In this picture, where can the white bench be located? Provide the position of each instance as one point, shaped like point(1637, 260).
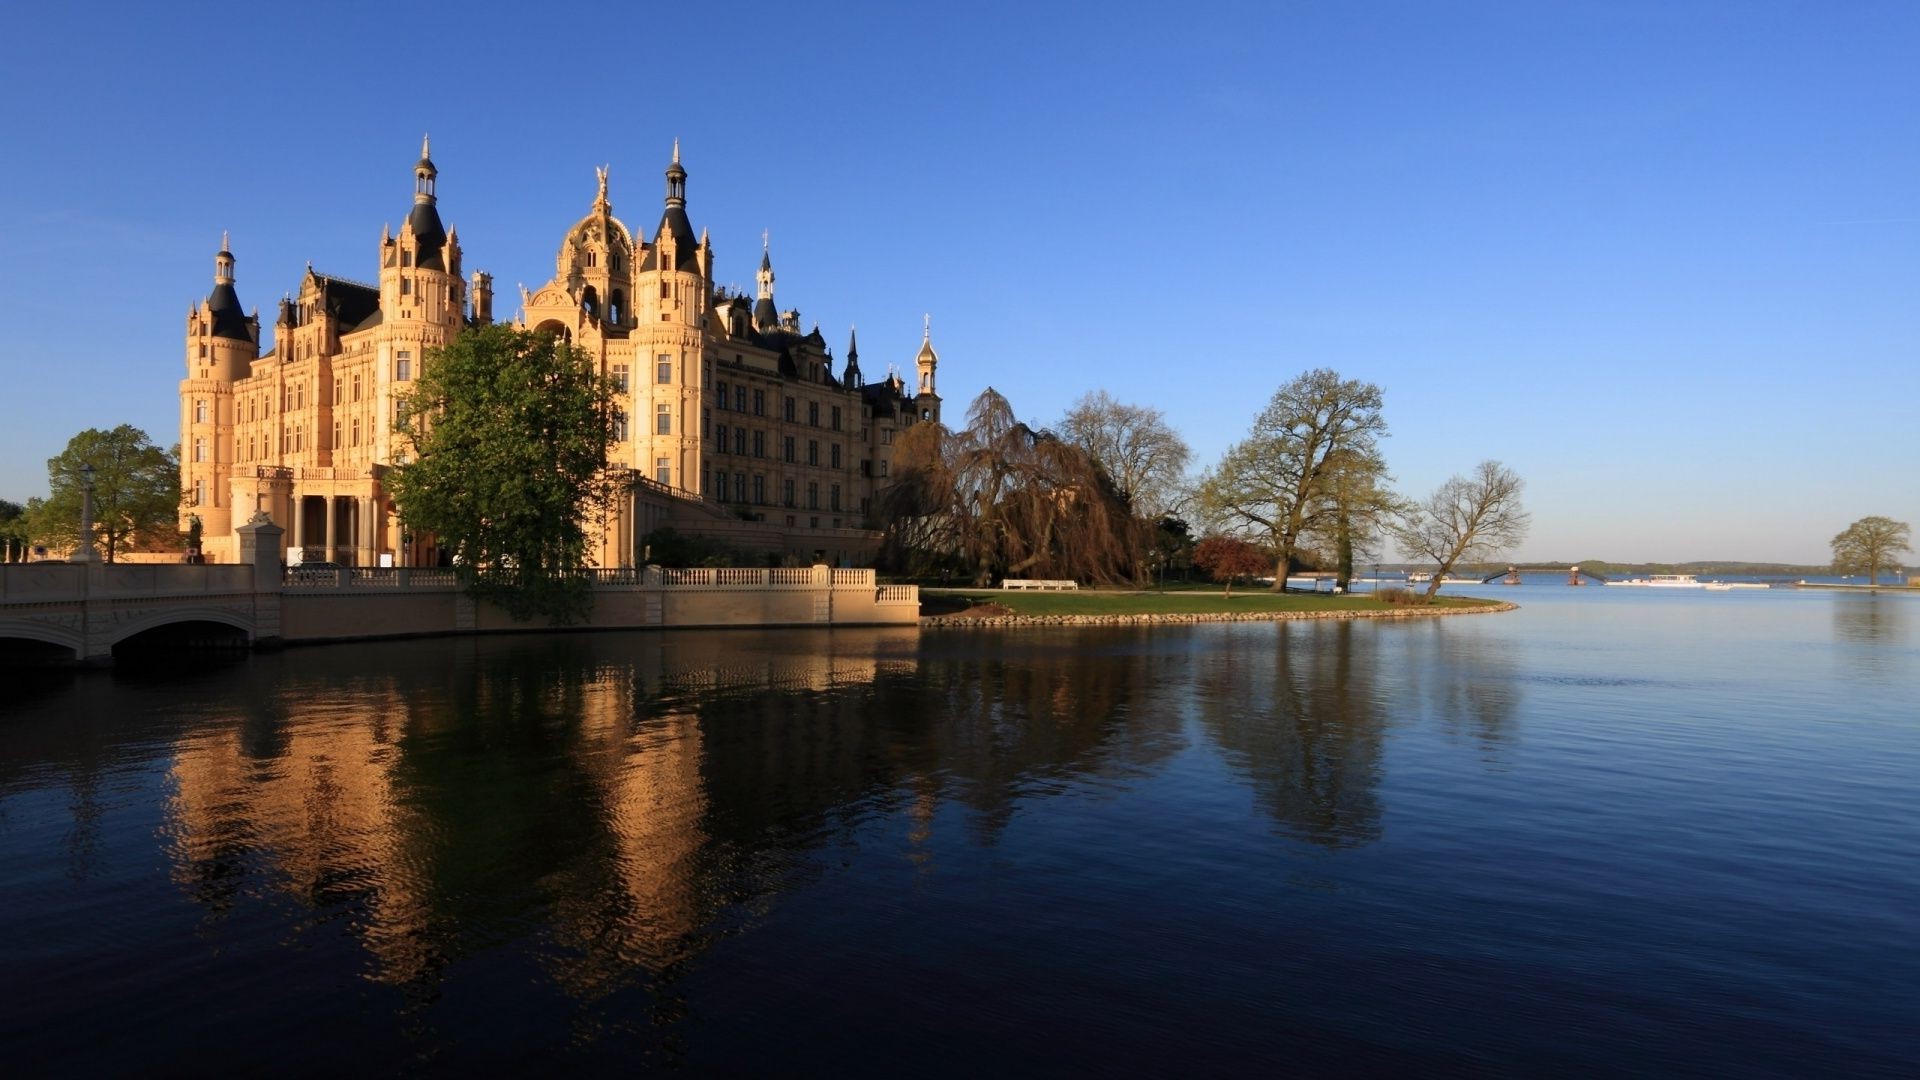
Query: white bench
point(1037, 583)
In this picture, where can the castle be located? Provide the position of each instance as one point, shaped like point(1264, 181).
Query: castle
point(733, 423)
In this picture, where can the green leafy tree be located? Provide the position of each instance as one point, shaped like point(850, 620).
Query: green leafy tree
point(13, 532)
point(1359, 509)
point(1279, 485)
point(136, 493)
point(1869, 545)
point(503, 454)
point(1468, 517)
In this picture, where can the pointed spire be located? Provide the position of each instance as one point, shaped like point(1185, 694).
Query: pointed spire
point(676, 150)
point(850, 375)
point(425, 147)
point(926, 333)
point(224, 245)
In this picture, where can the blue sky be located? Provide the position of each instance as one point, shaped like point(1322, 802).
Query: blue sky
point(1662, 259)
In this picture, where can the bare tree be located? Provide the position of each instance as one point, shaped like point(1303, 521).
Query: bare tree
point(1279, 484)
point(1869, 545)
point(1001, 499)
point(1468, 517)
point(1145, 458)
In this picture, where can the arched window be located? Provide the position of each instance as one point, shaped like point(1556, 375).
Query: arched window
point(593, 258)
point(616, 307)
point(590, 302)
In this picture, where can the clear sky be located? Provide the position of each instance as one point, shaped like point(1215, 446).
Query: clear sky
point(1663, 259)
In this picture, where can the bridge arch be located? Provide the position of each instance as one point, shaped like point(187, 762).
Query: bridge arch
point(197, 614)
point(27, 638)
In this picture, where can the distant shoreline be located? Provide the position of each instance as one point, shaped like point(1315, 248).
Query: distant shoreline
point(960, 620)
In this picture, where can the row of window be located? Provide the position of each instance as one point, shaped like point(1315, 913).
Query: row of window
point(757, 484)
point(736, 401)
point(294, 394)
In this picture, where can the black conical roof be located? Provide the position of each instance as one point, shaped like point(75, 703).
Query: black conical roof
point(429, 234)
point(229, 318)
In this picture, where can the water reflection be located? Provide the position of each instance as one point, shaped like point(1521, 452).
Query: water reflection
point(1468, 681)
point(637, 798)
point(1871, 619)
point(1872, 630)
point(1302, 721)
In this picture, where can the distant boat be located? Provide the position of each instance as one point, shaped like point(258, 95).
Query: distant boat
point(1421, 577)
point(1664, 581)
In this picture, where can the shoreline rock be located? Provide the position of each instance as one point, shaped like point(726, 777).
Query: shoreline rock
point(1188, 618)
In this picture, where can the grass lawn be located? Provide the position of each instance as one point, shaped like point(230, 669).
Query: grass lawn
point(1101, 602)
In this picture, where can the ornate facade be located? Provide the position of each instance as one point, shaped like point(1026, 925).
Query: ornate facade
point(734, 422)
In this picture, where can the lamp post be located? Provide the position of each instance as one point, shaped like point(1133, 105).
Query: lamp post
point(86, 551)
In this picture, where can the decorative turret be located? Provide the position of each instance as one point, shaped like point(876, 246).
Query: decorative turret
point(423, 222)
point(850, 377)
point(927, 399)
point(674, 245)
point(765, 316)
point(227, 318)
point(481, 291)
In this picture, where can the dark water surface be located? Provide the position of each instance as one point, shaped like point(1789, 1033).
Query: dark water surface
point(1617, 831)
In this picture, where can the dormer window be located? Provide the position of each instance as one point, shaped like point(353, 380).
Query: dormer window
point(406, 258)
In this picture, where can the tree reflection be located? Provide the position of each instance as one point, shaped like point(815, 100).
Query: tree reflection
point(1301, 720)
point(1468, 682)
point(1871, 619)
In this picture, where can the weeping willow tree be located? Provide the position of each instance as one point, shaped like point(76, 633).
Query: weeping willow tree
point(1000, 499)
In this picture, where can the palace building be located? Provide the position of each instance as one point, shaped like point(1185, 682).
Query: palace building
point(734, 422)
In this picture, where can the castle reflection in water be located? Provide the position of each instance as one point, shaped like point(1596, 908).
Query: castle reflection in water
point(632, 790)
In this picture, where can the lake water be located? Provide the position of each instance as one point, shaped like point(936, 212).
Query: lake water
point(1616, 831)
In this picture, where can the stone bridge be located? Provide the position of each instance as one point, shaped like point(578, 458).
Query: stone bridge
point(84, 611)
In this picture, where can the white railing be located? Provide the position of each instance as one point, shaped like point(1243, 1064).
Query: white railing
point(898, 594)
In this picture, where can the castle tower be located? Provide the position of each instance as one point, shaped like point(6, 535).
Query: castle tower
point(674, 291)
point(423, 304)
point(222, 343)
point(926, 399)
